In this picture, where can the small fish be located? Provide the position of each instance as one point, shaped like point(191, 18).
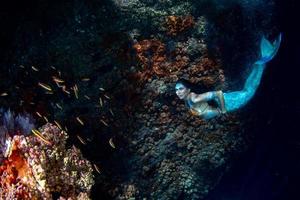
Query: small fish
point(38, 114)
point(46, 119)
point(58, 125)
point(34, 68)
point(35, 131)
point(97, 168)
point(66, 129)
point(31, 103)
point(22, 66)
point(65, 90)
point(100, 101)
point(45, 86)
point(103, 122)
point(58, 85)
point(111, 143)
point(48, 92)
point(53, 67)
point(111, 112)
point(75, 89)
point(3, 94)
point(57, 80)
point(87, 97)
point(80, 121)
point(40, 136)
point(106, 96)
point(85, 79)
point(102, 89)
point(81, 140)
point(57, 105)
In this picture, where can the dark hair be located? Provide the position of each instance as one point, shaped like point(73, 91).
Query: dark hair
point(198, 89)
point(193, 87)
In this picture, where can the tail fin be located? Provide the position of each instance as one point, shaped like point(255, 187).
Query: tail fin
point(268, 50)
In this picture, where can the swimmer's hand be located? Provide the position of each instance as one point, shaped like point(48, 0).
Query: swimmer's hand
point(220, 96)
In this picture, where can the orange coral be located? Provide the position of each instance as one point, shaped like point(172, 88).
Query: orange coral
point(207, 72)
point(15, 172)
point(152, 55)
point(35, 170)
point(204, 66)
point(178, 24)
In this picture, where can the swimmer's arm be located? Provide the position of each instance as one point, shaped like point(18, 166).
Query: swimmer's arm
point(207, 96)
point(220, 96)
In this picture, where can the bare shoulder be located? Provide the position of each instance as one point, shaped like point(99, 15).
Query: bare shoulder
point(194, 97)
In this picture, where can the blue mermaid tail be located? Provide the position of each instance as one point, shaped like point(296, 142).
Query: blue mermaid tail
point(268, 50)
point(237, 99)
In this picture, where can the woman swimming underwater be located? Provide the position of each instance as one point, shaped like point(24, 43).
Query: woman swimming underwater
point(228, 101)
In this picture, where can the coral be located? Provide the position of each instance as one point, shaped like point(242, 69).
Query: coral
point(206, 72)
point(10, 126)
point(175, 154)
point(178, 24)
point(37, 170)
point(180, 154)
point(167, 143)
point(154, 59)
point(150, 53)
point(16, 124)
point(25, 123)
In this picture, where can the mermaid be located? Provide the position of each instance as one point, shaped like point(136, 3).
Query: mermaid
point(228, 101)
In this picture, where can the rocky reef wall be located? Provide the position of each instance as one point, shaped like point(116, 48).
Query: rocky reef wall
point(118, 61)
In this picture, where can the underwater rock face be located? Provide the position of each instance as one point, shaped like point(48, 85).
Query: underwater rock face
point(125, 56)
point(173, 153)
